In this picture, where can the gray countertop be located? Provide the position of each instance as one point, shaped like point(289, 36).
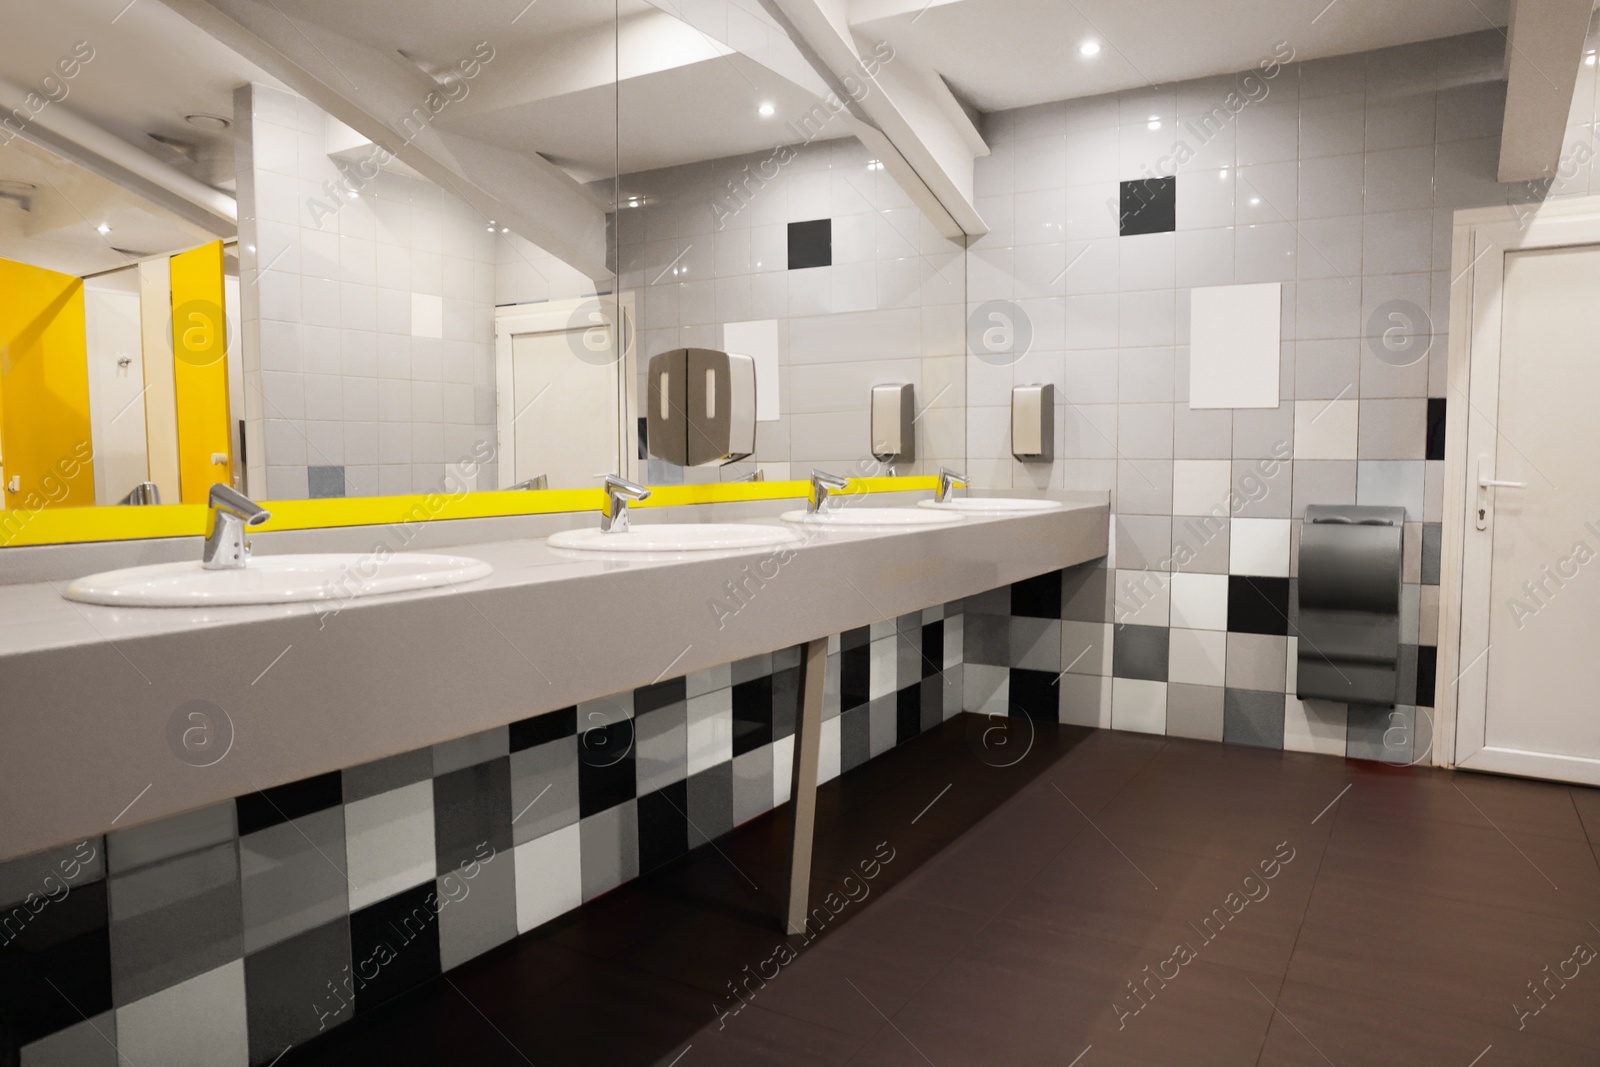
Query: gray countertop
point(95, 697)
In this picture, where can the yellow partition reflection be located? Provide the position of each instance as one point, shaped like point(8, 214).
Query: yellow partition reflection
point(200, 372)
point(46, 448)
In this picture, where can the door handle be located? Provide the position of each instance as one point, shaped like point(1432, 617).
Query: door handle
point(1485, 483)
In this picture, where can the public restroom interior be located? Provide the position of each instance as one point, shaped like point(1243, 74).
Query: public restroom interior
point(817, 532)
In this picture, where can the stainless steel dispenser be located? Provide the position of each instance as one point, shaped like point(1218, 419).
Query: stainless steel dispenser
point(893, 415)
point(702, 406)
point(1349, 621)
point(1033, 422)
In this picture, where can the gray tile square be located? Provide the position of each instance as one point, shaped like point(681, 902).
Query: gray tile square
point(884, 725)
point(171, 837)
point(955, 640)
point(1252, 718)
point(473, 749)
point(910, 623)
point(746, 670)
point(608, 844)
point(1262, 433)
point(288, 998)
point(1257, 661)
point(90, 1043)
point(786, 658)
point(293, 877)
point(477, 907)
point(1144, 487)
point(1262, 488)
point(1395, 483)
point(1085, 699)
point(380, 776)
point(710, 803)
point(908, 656)
point(954, 681)
point(987, 640)
point(1144, 542)
point(1035, 644)
point(1200, 544)
point(1393, 429)
point(855, 737)
point(931, 701)
point(544, 788)
point(1194, 711)
point(1432, 534)
point(1202, 434)
point(173, 920)
point(1139, 652)
point(44, 874)
point(324, 483)
point(991, 602)
point(1086, 594)
point(1323, 481)
point(1380, 732)
point(752, 784)
point(661, 746)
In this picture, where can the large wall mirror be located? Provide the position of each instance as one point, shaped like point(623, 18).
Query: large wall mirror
point(351, 250)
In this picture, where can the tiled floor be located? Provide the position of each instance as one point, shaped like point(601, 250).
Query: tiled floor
point(1108, 899)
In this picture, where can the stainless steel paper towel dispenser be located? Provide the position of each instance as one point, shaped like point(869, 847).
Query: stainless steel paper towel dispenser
point(893, 416)
point(1033, 422)
point(702, 406)
point(1349, 609)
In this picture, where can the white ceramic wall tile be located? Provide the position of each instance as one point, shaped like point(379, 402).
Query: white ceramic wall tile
point(389, 843)
point(1197, 657)
point(549, 880)
point(1314, 726)
point(1199, 601)
point(710, 730)
point(1326, 429)
point(1259, 547)
point(1139, 705)
point(1200, 486)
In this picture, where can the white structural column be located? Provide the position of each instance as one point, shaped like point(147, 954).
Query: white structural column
point(803, 786)
point(1544, 51)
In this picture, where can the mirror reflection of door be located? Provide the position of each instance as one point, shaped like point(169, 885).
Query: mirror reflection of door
point(561, 402)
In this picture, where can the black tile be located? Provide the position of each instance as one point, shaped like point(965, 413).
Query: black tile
point(932, 701)
point(1035, 695)
point(394, 945)
point(649, 698)
point(1149, 205)
point(857, 638)
point(752, 714)
point(663, 825)
point(1258, 605)
point(324, 483)
point(1037, 598)
point(855, 737)
point(269, 807)
point(855, 677)
point(810, 244)
point(907, 713)
point(932, 647)
point(786, 692)
point(1140, 652)
point(472, 807)
point(308, 969)
point(1427, 675)
point(605, 767)
point(66, 942)
point(1435, 443)
point(551, 726)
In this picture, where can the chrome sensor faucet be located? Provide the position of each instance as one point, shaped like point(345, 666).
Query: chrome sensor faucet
point(948, 480)
point(823, 486)
point(619, 491)
point(231, 512)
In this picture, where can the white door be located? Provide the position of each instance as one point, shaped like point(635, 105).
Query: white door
point(565, 412)
point(116, 391)
point(1530, 649)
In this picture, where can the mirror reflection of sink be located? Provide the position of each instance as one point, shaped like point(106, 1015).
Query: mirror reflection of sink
point(992, 505)
point(274, 580)
point(702, 537)
point(852, 516)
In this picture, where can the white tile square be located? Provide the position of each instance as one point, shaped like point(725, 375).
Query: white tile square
point(782, 769)
point(427, 315)
point(389, 843)
point(1200, 601)
point(1314, 725)
point(1325, 429)
point(1200, 485)
point(197, 1023)
point(986, 690)
point(710, 730)
point(1142, 598)
point(1139, 705)
point(829, 752)
point(1259, 547)
point(882, 654)
point(549, 877)
point(1197, 657)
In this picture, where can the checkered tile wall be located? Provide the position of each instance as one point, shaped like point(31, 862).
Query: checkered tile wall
point(222, 936)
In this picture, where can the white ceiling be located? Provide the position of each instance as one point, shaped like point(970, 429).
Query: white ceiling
point(1002, 54)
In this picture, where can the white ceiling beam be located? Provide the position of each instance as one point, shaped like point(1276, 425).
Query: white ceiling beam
point(367, 90)
point(1544, 52)
point(926, 141)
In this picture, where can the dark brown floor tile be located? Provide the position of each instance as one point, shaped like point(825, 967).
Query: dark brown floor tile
point(1587, 801)
point(757, 1036)
point(1315, 1027)
point(1416, 794)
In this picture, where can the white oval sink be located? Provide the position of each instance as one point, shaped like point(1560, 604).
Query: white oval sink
point(851, 516)
point(703, 537)
point(275, 580)
point(992, 505)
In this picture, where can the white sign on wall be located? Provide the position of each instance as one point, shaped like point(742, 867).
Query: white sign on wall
point(1234, 336)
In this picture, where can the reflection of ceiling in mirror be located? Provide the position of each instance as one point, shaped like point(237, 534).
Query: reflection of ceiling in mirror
point(57, 223)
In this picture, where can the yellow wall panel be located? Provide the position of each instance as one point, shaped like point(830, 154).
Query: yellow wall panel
point(45, 440)
point(200, 372)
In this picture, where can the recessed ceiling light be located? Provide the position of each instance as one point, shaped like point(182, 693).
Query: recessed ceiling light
point(874, 164)
point(1089, 48)
point(207, 122)
point(1154, 123)
point(766, 111)
point(102, 229)
point(1254, 200)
